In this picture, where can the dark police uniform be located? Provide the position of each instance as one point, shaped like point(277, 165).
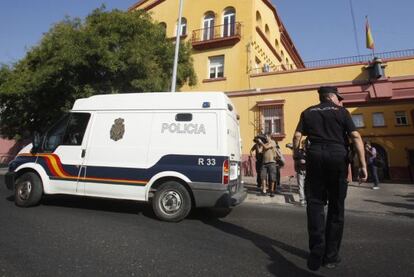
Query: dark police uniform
point(327, 127)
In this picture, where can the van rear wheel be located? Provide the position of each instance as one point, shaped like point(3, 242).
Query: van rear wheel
point(172, 202)
point(28, 190)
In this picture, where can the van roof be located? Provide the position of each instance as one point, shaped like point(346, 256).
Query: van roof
point(153, 101)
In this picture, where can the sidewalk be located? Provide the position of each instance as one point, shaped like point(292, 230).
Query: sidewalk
point(391, 198)
point(288, 196)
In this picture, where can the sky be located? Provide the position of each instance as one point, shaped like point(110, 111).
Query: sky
point(320, 29)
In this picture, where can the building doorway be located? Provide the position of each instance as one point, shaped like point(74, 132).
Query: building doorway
point(383, 173)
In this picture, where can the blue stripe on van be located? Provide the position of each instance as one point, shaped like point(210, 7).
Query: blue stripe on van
point(187, 165)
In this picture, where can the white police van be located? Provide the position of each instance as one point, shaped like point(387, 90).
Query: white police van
point(175, 150)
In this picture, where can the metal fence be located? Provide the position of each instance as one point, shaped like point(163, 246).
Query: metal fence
point(216, 32)
point(336, 61)
point(360, 59)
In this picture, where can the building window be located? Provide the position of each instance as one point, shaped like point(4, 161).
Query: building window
point(257, 65)
point(208, 26)
point(267, 31)
point(358, 120)
point(258, 19)
point(229, 22)
point(183, 29)
point(216, 67)
point(401, 118)
point(272, 120)
point(378, 120)
point(163, 25)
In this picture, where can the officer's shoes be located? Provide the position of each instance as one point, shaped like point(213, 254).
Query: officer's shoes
point(375, 187)
point(314, 262)
point(331, 264)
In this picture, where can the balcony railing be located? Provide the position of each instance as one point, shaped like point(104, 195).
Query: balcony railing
point(216, 36)
point(360, 59)
point(338, 61)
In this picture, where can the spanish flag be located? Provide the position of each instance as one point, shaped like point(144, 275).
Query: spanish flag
point(369, 38)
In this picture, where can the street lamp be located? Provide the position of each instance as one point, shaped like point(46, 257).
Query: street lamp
point(177, 47)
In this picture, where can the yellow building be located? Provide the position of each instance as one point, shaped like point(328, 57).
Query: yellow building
point(382, 109)
point(231, 39)
point(242, 47)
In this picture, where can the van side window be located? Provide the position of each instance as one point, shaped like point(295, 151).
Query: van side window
point(183, 117)
point(76, 129)
point(67, 131)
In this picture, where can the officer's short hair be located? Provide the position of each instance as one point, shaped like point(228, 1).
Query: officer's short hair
point(325, 97)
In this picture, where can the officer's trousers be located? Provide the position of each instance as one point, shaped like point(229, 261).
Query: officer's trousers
point(326, 182)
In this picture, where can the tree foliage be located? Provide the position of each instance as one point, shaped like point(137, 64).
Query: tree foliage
point(108, 52)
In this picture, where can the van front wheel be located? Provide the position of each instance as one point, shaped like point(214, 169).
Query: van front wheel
point(28, 190)
point(171, 202)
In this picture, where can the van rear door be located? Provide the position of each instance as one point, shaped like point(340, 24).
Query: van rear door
point(233, 145)
point(235, 185)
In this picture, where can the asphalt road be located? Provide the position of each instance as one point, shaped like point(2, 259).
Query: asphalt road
point(69, 236)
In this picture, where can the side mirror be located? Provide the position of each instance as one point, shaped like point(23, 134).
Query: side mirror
point(36, 142)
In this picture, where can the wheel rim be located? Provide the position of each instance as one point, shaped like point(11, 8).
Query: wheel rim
point(24, 190)
point(171, 202)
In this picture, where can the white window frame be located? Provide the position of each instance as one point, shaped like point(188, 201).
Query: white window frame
point(229, 28)
point(216, 63)
point(378, 119)
point(183, 28)
point(358, 120)
point(272, 116)
point(401, 116)
point(208, 26)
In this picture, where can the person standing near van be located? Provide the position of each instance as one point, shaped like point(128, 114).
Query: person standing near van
point(257, 149)
point(371, 153)
point(268, 172)
point(328, 127)
point(300, 168)
point(280, 162)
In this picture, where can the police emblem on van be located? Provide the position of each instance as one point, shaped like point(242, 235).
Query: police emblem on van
point(118, 129)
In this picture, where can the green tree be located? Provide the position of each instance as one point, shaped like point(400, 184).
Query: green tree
point(108, 52)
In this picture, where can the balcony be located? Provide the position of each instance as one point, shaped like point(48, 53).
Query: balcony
point(217, 36)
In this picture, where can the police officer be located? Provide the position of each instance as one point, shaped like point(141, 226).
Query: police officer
point(328, 127)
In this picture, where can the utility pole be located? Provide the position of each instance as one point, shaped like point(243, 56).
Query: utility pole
point(177, 48)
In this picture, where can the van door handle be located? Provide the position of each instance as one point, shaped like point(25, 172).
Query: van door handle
point(83, 153)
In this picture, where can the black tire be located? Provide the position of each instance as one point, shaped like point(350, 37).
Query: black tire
point(172, 202)
point(28, 190)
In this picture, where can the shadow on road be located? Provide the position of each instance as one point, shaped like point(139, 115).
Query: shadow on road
point(393, 204)
point(409, 196)
point(280, 266)
point(97, 204)
point(409, 215)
